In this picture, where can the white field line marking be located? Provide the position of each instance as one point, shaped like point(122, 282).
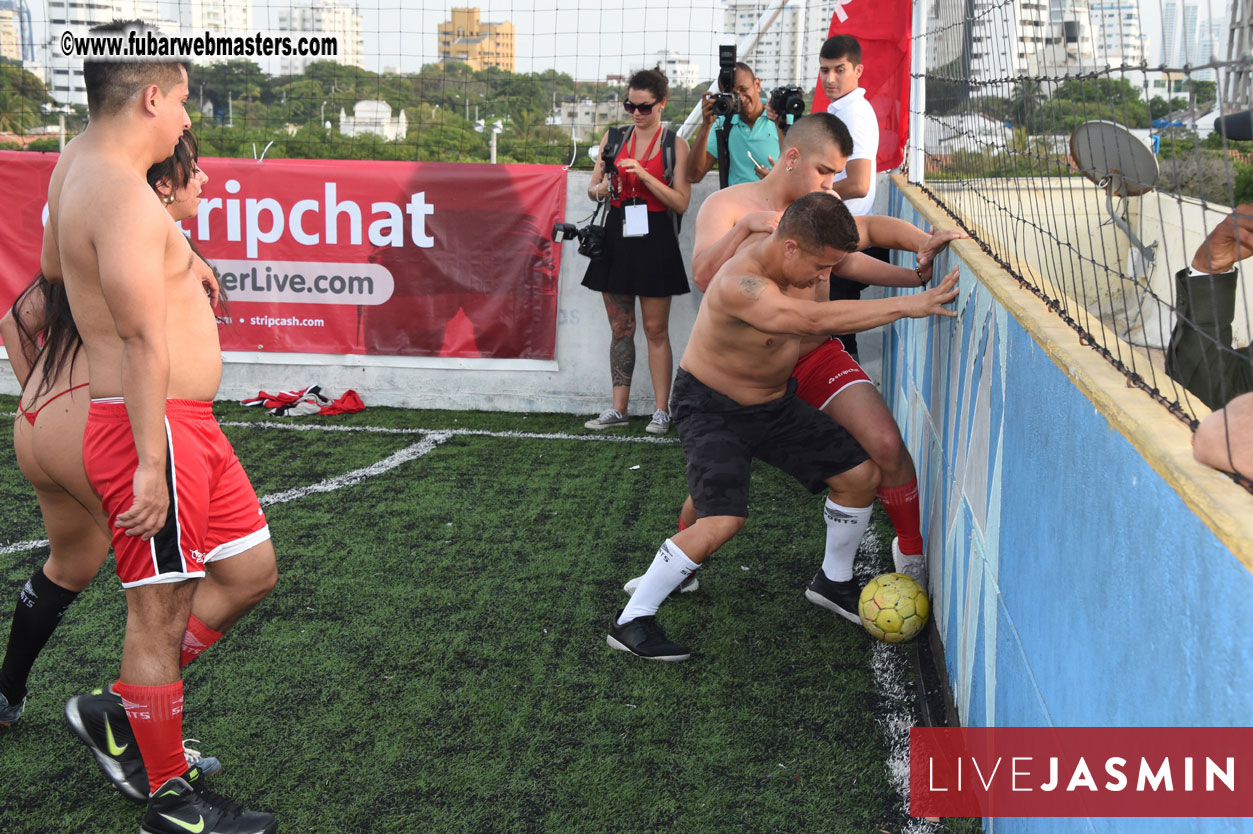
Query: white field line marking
point(890, 669)
point(22, 547)
point(356, 476)
point(348, 479)
point(522, 435)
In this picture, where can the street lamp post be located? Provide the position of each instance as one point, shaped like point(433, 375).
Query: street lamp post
point(496, 127)
point(61, 113)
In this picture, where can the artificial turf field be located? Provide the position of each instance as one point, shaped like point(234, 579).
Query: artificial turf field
point(434, 659)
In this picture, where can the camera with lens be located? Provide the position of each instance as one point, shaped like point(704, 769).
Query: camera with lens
point(725, 101)
point(788, 104)
point(591, 237)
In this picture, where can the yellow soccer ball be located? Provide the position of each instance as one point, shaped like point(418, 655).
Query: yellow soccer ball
point(893, 607)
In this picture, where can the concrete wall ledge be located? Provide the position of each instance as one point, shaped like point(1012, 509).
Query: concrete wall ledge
point(1163, 440)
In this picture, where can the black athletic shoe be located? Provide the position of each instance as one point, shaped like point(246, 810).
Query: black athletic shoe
point(644, 638)
point(840, 597)
point(100, 721)
point(184, 804)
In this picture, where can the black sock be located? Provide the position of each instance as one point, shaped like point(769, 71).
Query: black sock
point(40, 606)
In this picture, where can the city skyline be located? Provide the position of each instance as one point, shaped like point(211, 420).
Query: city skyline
point(610, 37)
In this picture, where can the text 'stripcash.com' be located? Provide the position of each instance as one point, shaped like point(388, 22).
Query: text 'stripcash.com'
point(139, 43)
point(1081, 772)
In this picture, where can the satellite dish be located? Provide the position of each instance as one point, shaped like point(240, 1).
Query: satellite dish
point(1113, 158)
point(1124, 167)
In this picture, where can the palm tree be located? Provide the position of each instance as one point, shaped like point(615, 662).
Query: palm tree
point(1022, 103)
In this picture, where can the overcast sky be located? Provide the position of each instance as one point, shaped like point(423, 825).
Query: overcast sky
point(588, 39)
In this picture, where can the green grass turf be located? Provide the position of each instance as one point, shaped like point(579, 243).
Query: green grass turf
point(433, 658)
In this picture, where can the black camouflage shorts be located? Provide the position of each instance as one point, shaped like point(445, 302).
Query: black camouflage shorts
point(721, 437)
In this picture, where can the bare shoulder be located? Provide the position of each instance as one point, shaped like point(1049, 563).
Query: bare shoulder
point(740, 280)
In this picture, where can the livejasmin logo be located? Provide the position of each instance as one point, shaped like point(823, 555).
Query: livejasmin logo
point(1023, 776)
point(1080, 771)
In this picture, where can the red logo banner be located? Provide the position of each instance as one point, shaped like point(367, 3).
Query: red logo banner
point(883, 29)
point(355, 257)
point(1081, 772)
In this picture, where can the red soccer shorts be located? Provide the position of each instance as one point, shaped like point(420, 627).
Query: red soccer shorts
point(214, 512)
point(826, 371)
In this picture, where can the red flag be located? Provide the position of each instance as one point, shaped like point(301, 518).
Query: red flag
point(883, 30)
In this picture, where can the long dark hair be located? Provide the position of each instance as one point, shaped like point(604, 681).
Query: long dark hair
point(59, 340)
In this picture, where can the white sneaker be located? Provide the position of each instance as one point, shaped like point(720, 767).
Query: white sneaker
point(689, 584)
point(608, 418)
point(915, 567)
point(660, 423)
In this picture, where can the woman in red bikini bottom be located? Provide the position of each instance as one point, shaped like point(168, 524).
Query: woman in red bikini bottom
point(43, 346)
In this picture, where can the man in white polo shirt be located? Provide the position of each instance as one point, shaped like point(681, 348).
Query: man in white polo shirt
point(839, 72)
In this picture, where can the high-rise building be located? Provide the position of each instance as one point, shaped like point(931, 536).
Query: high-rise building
point(1117, 31)
point(322, 19)
point(10, 35)
point(680, 71)
point(64, 75)
point(16, 31)
point(465, 39)
point(219, 18)
point(781, 52)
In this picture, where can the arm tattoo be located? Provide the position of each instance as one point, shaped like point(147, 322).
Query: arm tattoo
point(752, 286)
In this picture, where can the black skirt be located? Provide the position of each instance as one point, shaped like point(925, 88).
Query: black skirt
point(650, 266)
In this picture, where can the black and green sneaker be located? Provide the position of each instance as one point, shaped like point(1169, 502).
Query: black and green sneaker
point(100, 721)
point(183, 804)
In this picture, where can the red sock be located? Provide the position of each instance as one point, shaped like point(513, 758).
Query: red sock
point(901, 502)
point(196, 639)
point(156, 716)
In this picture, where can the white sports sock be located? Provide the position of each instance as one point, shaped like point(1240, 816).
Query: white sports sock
point(668, 569)
point(845, 526)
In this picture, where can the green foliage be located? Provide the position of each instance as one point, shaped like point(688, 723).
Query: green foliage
point(1244, 184)
point(248, 109)
point(22, 97)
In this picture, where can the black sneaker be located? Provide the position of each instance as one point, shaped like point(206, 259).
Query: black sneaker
point(840, 597)
point(644, 638)
point(184, 804)
point(100, 721)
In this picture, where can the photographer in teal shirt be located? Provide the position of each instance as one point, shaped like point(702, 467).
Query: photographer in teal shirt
point(753, 140)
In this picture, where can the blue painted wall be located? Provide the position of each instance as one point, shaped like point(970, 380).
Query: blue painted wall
point(1071, 585)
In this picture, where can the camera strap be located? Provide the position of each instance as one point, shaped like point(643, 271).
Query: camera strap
point(723, 135)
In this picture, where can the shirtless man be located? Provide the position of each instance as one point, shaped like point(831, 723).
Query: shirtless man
point(176, 498)
point(734, 400)
point(826, 373)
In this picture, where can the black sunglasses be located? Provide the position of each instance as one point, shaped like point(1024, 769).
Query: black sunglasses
point(644, 109)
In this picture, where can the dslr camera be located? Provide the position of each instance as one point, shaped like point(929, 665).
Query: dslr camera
point(788, 104)
point(591, 237)
point(726, 102)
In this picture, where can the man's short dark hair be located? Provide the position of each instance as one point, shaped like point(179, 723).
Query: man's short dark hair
point(819, 220)
point(841, 46)
point(817, 130)
point(741, 66)
point(112, 84)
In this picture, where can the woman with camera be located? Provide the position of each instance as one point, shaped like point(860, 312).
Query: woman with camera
point(636, 172)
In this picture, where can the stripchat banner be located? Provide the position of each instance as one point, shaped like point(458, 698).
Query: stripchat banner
point(353, 257)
